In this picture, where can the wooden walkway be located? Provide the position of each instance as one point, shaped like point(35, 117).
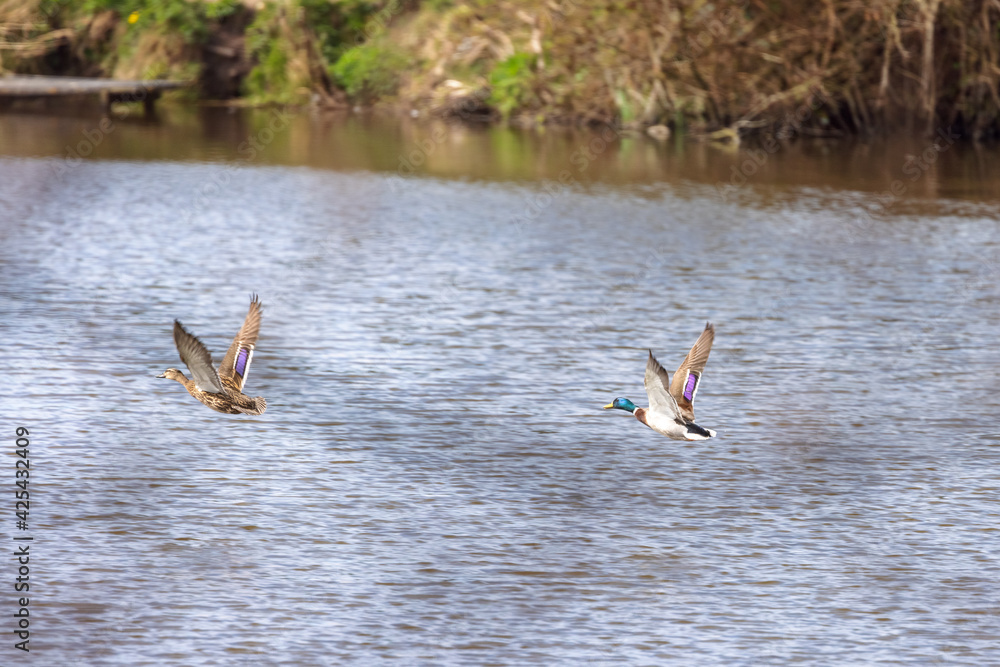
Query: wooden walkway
point(109, 90)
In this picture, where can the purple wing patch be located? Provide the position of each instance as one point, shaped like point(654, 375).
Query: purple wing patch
point(241, 361)
point(691, 385)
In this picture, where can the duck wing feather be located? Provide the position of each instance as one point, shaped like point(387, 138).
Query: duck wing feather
point(688, 375)
point(198, 360)
point(235, 365)
point(657, 382)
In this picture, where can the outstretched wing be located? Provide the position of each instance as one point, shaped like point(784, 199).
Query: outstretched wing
point(656, 382)
point(197, 359)
point(688, 375)
point(236, 364)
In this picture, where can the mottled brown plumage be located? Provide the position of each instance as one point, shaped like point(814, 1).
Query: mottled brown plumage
point(222, 389)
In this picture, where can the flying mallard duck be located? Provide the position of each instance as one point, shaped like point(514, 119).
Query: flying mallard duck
point(671, 409)
point(221, 389)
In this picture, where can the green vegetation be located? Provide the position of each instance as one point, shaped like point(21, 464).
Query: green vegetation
point(298, 47)
point(280, 74)
point(511, 83)
point(369, 72)
point(778, 66)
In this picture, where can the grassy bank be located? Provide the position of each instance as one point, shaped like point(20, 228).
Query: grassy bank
point(733, 66)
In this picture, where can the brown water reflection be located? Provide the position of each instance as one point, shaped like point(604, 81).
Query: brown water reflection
point(905, 167)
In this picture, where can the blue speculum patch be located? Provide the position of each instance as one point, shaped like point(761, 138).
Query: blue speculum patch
point(689, 387)
point(241, 361)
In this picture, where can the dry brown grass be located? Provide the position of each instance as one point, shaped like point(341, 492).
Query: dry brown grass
point(156, 56)
point(31, 42)
point(832, 67)
point(24, 36)
point(848, 66)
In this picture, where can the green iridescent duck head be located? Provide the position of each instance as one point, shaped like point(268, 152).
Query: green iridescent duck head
point(621, 404)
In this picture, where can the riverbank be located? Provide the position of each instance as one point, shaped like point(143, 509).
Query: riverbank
point(721, 70)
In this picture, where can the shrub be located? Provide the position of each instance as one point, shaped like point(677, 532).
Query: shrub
point(511, 83)
point(369, 71)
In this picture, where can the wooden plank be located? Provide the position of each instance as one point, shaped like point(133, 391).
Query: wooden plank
point(43, 86)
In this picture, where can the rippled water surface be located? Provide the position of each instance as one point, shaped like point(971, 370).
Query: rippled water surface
point(434, 481)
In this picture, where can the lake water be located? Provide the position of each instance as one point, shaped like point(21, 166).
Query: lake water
point(446, 310)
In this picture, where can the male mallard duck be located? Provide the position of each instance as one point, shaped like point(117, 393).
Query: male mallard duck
point(671, 409)
point(221, 389)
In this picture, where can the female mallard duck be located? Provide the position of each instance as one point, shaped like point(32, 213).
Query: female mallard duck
point(221, 389)
point(671, 404)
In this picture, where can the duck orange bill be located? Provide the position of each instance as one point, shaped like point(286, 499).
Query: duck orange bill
point(609, 406)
